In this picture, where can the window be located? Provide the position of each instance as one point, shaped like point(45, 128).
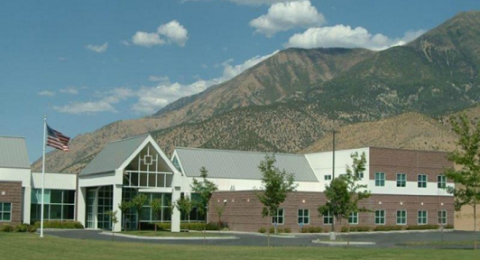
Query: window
point(328, 177)
point(380, 179)
point(422, 181)
point(176, 164)
point(5, 211)
point(279, 217)
point(58, 205)
point(380, 217)
point(303, 216)
point(401, 217)
point(422, 217)
point(442, 182)
point(401, 180)
point(327, 219)
point(360, 175)
point(442, 217)
point(353, 218)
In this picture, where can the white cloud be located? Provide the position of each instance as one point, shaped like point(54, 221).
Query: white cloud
point(70, 90)
point(104, 104)
point(162, 79)
point(46, 93)
point(172, 32)
point(97, 48)
point(245, 2)
point(147, 39)
point(347, 37)
point(151, 99)
point(288, 15)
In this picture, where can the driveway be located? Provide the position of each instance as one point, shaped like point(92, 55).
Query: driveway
point(390, 239)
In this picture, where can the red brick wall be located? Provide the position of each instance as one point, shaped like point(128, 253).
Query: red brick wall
point(410, 162)
point(243, 210)
point(11, 191)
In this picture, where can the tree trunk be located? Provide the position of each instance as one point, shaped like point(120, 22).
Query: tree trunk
point(475, 225)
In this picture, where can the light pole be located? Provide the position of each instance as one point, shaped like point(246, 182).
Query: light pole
point(332, 235)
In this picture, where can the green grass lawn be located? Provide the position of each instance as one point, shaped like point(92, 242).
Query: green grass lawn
point(440, 243)
point(30, 246)
point(150, 233)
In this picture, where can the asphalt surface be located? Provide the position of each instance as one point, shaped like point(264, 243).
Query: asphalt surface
point(382, 240)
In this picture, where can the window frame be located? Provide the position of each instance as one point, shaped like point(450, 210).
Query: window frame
point(419, 217)
point(441, 181)
point(404, 181)
point(327, 177)
point(439, 217)
point(422, 183)
point(3, 212)
point(329, 219)
point(405, 218)
point(277, 216)
point(380, 217)
point(379, 182)
point(303, 216)
point(354, 216)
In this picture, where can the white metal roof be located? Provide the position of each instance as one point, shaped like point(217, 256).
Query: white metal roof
point(240, 164)
point(13, 152)
point(113, 155)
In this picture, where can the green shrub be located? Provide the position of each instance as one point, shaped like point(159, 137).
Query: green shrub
point(164, 226)
point(312, 229)
point(69, 224)
point(271, 230)
point(422, 227)
point(32, 228)
point(6, 228)
point(388, 228)
point(280, 230)
point(262, 230)
point(448, 227)
point(304, 230)
point(21, 228)
point(356, 229)
point(288, 230)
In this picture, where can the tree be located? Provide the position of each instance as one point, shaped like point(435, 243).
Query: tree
point(113, 219)
point(344, 192)
point(467, 156)
point(156, 205)
point(185, 205)
point(124, 207)
point(137, 203)
point(276, 185)
point(204, 189)
point(219, 210)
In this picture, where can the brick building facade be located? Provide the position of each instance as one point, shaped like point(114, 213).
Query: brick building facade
point(11, 194)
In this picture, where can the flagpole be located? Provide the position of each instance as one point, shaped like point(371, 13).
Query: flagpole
point(43, 173)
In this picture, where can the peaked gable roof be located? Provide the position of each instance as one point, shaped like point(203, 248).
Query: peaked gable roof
point(13, 152)
point(240, 164)
point(114, 155)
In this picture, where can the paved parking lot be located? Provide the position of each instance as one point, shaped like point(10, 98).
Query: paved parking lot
point(392, 239)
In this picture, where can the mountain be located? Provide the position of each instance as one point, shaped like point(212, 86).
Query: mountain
point(288, 101)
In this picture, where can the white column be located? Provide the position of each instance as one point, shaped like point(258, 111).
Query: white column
point(95, 209)
point(117, 199)
point(82, 206)
point(176, 212)
point(27, 197)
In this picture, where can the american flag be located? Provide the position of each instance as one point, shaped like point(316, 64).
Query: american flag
point(57, 140)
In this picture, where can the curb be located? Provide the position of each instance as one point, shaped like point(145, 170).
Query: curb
point(343, 243)
point(169, 238)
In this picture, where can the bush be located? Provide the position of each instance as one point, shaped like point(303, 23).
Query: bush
point(388, 228)
point(271, 230)
point(198, 226)
point(356, 229)
point(21, 228)
point(288, 230)
point(6, 228)
point(60, 224)
point(422, 227)
point(32, 228)
point(448, 227)
point(262, 230)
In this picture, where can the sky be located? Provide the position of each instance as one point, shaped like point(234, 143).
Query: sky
point(88, 63)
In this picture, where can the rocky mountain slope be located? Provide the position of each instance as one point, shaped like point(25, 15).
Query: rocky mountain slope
point(286, 102)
